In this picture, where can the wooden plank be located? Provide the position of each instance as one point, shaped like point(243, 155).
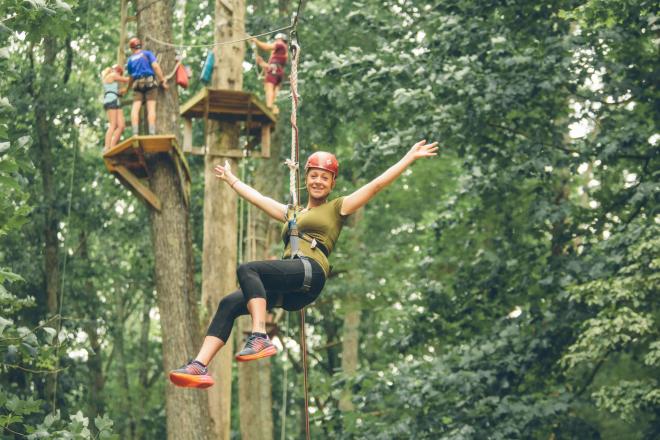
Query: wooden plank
point(182, 157)
point(263, 109)
point(196, 151)
point(192, 102)
point(156, 143)
point(234, 152)
point(206, 118)
point(184, 183)
point(143, 191)
point(265, 141)
point(187, 134)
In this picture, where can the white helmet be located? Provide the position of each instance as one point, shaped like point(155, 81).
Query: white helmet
point(281, 36)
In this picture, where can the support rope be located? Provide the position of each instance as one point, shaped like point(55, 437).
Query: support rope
point(285, 381)
point(294, 185)
point(221, 43)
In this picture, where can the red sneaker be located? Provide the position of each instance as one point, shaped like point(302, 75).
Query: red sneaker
point(192, 375)
point(256, 347)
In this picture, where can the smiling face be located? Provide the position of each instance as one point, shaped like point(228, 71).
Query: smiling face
point(319, 183)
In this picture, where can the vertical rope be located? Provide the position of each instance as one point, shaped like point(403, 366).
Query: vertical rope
point(285, 382)
point(293, 162)
point(303, 347)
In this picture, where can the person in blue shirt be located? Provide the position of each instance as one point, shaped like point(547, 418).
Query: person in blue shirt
point(143, 69)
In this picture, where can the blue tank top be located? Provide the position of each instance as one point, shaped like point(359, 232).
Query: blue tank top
point(139, 64)
point(110, 92)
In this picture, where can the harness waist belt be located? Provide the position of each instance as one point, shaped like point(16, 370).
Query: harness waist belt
point(312, 241)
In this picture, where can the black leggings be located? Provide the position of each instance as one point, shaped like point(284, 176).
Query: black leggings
point(278, 281)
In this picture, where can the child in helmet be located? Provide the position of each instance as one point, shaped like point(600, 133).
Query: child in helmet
point(111, 78)
point(143, 69)
point(274, 68)
point(297, 280)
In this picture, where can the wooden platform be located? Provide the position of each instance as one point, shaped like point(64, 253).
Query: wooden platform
point(128, 162)
point(229, 106)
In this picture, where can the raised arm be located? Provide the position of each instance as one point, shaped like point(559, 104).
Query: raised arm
point(360, 197)
point(262, 45)
point(271, 207)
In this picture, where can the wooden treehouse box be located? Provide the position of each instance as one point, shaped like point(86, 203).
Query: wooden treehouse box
point(228, 106)
point(128, 162)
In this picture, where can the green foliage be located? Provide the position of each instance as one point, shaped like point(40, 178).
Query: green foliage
point(506, 287)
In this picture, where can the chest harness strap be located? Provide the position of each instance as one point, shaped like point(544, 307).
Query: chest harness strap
point(293, 237)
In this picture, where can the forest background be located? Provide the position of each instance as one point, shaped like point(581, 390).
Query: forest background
point(506, 289)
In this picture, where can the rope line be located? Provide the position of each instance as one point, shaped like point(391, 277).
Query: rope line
point(303, 348)
point(222, 43)
point(285, 381)
point(293, 162)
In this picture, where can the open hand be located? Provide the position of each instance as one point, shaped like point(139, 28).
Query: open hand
point(422, 149)
point(224, 172)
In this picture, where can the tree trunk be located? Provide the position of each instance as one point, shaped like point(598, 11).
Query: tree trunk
point(95, 401)
point(220, 204)
point(254, 381)
point(350, 340)
point(349, 358)
point(187, 412)
point(43, 154)
point(44, 144)
point(255, 387)
point(120, 365)
point(143, 370)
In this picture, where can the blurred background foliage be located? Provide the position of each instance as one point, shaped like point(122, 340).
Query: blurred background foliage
point(506, 289)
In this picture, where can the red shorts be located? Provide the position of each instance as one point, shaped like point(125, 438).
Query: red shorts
point(275, 74)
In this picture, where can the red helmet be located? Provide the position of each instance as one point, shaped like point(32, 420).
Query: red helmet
point(323, 160)
point(117, 68)
point(135, 43)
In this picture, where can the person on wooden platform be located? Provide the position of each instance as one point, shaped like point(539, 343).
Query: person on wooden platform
point(145, 77)
point(310, 234)
point(111, 78)
point(274, 68)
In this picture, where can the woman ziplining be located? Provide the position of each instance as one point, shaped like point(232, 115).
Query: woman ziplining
point(290, 283)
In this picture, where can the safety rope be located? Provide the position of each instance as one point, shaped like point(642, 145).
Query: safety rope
point(294, 183)
point(221, 43)
point(292, 162)
point(285, 381)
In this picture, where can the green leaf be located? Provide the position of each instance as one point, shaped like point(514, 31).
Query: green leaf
point(103, 423)
point(3, 324)
point(50, 334)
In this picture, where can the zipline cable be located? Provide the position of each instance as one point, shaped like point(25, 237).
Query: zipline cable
point(222, 43)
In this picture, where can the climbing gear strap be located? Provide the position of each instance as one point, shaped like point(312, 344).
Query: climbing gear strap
point(145, 83)
point(307, 281)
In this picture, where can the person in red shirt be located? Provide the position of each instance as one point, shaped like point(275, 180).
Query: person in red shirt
point(274, 68)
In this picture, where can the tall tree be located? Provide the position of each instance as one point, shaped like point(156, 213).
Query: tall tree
point(187, 413)
point(220, 204)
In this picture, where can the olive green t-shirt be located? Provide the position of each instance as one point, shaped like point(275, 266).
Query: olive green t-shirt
point(323, 223)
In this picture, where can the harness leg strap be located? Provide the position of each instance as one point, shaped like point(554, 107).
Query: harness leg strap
point(307, 281)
